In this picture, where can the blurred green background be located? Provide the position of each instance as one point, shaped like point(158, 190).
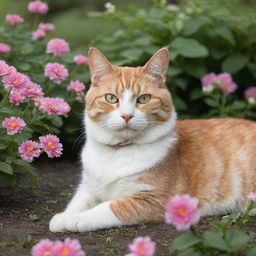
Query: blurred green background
point(71, 19)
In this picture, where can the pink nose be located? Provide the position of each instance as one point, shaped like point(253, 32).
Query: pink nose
point(127, 117)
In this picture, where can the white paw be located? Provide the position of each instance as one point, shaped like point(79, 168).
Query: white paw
point(57, 223)
point(71, 222)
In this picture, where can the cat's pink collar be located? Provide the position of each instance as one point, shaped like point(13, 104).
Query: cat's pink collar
point(122, 144)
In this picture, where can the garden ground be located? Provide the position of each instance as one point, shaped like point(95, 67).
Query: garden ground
point(25, 214)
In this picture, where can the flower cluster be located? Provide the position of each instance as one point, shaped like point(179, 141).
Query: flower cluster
point(42, 30)
point(250, 95)
point(53, 106)
point(182, 212)
point(38, 7)
point(58, 47)
point(56, 72)
point(50, 144)
point(4, 48)
point(142, 246)
point(222, 81)
point(14, 19)
point(20, 85)
point(69, 247)
point(77, 87)
point(81, 60)
point(13, 125)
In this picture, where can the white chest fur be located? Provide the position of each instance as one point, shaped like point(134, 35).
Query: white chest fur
point(109, 173)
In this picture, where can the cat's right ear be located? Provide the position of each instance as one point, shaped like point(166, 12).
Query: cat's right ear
point(99, 65)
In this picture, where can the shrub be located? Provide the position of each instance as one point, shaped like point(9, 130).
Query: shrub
point(41, 82)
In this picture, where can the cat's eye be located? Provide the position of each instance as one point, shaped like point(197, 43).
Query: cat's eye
point(111, 98)
point(144, 98)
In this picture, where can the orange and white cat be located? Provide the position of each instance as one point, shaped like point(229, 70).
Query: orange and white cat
point(137, 156)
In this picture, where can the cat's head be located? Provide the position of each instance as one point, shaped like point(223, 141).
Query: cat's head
point(126, 103)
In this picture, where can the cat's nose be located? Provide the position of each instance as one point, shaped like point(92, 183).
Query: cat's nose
point(127, 117)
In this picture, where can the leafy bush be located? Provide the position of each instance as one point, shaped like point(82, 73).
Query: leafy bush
point(204, 36)
point(40, 97)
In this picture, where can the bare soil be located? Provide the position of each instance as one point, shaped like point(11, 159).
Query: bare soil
point(25, 213)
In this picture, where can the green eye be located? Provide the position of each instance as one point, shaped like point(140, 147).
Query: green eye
point(143, 99)
point(111, 98)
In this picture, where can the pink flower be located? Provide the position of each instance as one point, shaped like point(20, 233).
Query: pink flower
point(182, 212)
point(70, 247)
point(56, 72)
point(4, 68)
point(209, 79)
point(13, 125)
point(14, 19)
point(224, 78)
point(76, 86)
point(80, 59)
point(16, 80)
point(38, 7)
point(33, 90)
point(16, 96)
point(252, 196)
point(43, 248)
point(58, 47)
point(4, 48)
point(28, 150)
point(47, 26)
point(142, 246)
point(53, 106)
point(249, 93)
point(228, 87)
point(38, 34)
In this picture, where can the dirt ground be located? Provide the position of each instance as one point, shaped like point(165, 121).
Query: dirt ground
point(25, 213)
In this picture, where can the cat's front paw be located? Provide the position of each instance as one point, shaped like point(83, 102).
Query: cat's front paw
point(57, 223)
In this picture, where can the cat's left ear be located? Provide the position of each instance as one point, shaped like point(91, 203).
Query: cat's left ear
point(157, 66)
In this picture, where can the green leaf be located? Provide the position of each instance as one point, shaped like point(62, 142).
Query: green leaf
point(57, 121)
point(233, 63)
point(132, 54)
point(6, 168)
point(173, 71)
point(196, 94)
point(189, 48)
point(196, 70)
point(215, 240)
point(24, 164)
point(251, 252)
point(194, 24)
point(236, 238)
point(179, 103)
point(225, 33)
point(189, 252)
point(211, 102)
point(238, 104)
point(184, 241)
point(181, 82)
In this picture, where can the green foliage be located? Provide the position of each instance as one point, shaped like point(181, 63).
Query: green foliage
point(225, 239)
point(29, 56)
point(204, 36)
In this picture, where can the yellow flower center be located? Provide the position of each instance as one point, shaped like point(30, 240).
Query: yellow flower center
point(141, 249)
point(30, 149)
point(56, 70)
point(51, 145)
point(17, 80)
point(13, 124)
point(65, 251)
point(181, 211)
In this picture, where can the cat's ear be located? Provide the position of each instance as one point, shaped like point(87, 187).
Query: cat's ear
point(157, 66)
point(99, 65)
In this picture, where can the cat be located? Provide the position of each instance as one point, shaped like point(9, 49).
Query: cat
point(137, 156)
